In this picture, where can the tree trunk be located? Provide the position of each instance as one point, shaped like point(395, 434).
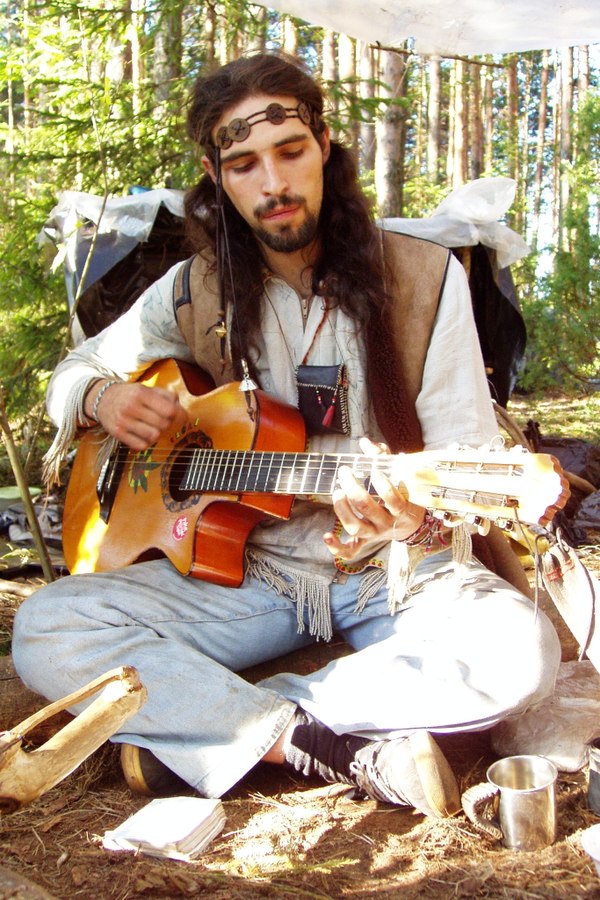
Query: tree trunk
point(257, 39)
point(289, 35)
point(583, 73)
point(391, 136)
point(347, 75)
point(520, 218)
point(450, 154)
point(488, 117)
point(538, 180)
point(565, 144)
point(329, 70)
point(167, 57)
point(513, 117)
point(366, 63)
point(476, 123)
point(459, 143)
point(210, 30)
point(512, 125)
point(137, 15)
point(433, 119)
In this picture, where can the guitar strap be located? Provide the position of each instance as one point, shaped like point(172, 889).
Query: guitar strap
point(199, 316)
point(183, 293)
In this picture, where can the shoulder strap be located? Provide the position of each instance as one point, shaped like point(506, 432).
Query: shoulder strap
point(182, 293)
point(199, 317)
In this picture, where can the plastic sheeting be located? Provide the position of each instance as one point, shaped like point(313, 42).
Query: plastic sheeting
point(469, 216)
point(118, 226)
point(459, 27)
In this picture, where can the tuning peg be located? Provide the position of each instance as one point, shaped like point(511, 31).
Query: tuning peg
point(478, 522)
point(452, 520)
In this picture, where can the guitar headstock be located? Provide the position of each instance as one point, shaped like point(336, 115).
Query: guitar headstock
point(502, 486)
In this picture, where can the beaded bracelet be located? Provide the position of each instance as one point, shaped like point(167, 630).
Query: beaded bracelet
point(425, 534)
point(99, 397)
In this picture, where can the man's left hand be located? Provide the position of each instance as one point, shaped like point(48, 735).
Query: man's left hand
point(370, 520)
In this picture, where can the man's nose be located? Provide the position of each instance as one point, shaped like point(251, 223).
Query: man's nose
point(274, 180)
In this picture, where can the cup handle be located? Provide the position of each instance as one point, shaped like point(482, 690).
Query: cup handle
point(474, 800)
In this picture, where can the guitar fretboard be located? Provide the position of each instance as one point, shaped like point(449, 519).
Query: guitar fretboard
point(240, 471)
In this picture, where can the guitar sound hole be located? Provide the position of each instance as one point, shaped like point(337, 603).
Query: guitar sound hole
point(177, 473)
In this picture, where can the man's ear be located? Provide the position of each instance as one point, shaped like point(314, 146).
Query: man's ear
point(208, 167)
point(325, 142)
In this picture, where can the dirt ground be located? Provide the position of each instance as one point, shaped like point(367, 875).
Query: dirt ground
point(287, 839)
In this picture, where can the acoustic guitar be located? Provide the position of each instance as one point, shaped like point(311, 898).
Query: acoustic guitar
point(195, 495)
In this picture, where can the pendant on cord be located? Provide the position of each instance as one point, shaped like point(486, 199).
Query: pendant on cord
point(247, 383)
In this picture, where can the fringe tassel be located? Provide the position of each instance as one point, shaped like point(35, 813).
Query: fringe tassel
point(462, 545)
point(309, 592)
point(370, 584)
point(73, 415)
point(401, 565)
point(73, 419)
point(404, 559)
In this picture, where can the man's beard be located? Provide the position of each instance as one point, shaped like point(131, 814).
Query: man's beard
point(288, 240)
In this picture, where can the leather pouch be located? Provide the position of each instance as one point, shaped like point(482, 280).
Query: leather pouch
point(323, 398)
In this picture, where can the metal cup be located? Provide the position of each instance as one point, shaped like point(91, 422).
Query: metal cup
point(594, 777)
point(523, 788)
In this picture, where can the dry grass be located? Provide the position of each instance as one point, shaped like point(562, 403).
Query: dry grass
point(560, 415)
point(284, 840)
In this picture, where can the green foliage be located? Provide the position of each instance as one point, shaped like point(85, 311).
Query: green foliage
point(71, 119)
point(563, 319)
point(92, 98)
point(32, 308)
point(422, 196)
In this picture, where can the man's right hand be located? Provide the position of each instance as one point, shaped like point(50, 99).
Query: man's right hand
point(133, 413)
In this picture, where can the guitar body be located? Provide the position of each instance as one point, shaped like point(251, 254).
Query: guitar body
point(203, 535)
point(196, 494)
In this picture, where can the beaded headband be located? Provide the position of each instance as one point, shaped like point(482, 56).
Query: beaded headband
point(239, 129)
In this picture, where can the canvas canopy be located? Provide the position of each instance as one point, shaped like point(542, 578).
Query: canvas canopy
point(457, 27)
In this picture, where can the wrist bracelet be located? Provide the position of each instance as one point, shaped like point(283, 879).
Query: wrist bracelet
point(99, 397)
point(425, 534)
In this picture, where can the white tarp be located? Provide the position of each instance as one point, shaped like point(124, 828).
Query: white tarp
point(455, 27)
point(469, 216)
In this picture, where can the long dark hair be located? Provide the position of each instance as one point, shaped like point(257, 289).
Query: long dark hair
point(349, 270)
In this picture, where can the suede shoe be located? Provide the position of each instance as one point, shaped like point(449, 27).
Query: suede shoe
point(147, 775)
point(408, 771)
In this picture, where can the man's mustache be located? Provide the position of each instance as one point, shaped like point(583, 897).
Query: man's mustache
point(277, 203)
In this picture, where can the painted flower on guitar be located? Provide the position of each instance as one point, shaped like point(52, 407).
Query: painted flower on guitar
point(140, 468)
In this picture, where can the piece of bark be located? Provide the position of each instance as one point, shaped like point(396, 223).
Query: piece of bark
point(25, 776)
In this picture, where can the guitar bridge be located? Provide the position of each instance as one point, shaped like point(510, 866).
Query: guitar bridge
point(108, 482)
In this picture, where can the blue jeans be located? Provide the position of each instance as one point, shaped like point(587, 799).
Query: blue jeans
point(464, 653)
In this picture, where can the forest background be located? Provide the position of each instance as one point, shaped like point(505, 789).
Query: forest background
point(93, 96)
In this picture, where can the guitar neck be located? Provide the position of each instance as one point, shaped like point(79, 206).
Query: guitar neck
point(499, 485)
point(241, 471)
